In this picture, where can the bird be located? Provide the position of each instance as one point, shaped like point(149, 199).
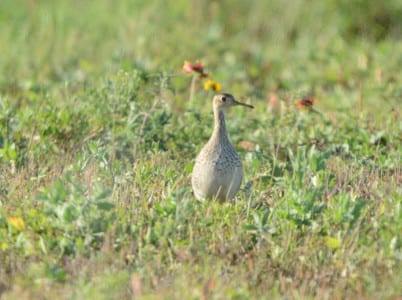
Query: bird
point(218, 172)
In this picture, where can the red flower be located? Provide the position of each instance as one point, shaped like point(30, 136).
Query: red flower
point(187, 67)
point(305, 103)
point(197, 67)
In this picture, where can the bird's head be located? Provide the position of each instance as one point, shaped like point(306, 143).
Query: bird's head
point(223, 100)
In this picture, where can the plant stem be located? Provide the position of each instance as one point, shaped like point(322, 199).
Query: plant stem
point(192, 88)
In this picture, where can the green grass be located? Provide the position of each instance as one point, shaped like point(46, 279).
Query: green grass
point(98, 139)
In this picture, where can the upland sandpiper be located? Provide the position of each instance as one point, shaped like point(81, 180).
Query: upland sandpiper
point(218, 171)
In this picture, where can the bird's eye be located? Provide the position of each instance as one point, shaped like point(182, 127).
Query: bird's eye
point(223, 98)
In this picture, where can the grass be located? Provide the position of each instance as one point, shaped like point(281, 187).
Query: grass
point(98, 139)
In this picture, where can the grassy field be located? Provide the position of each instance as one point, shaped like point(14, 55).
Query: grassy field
point(99, 129)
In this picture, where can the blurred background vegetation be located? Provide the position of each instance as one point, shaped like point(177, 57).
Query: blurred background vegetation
point(98, 138)
point(55, 40)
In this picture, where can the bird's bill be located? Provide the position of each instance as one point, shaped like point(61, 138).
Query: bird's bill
point(243, 104)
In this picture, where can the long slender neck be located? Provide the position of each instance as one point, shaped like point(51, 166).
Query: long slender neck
point(219, 134)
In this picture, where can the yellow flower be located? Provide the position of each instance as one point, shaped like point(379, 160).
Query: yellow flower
point(212, 85)
point(16, 222)
point(332, 243)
